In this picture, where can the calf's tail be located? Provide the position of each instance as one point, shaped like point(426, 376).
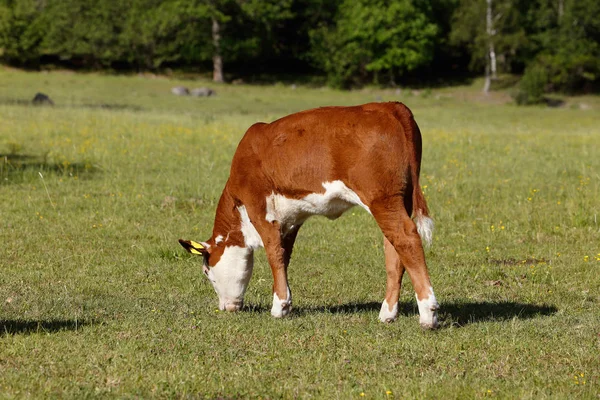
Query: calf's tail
point(421, 216)
point(420, 212)
point(417, 204)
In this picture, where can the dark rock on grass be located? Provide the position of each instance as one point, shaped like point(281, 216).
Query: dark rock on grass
point(40, 99)
point(203, 92)
point(554, 102)
point(180, 91)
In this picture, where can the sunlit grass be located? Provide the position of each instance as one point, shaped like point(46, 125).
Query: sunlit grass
point(97, 298)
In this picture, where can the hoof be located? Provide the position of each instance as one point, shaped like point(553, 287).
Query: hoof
point(428, 311)
point(431, 320)
point(281, 310)
point(386, 315)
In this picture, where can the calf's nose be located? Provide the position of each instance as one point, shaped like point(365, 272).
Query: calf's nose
point(233, 306)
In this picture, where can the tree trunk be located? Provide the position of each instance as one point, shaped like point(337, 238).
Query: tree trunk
point(561, 9)
point(488, 78)
point(490, 68)
point(217, 58)
point(392, 78)
point(493, 61)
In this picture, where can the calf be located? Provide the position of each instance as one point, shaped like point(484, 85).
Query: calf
point(322, 162)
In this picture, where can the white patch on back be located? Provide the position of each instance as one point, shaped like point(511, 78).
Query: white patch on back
point(231, 275)
point(334, 202)
point(386, 314)
point(425, 228)
point(428, 311)
point(281, 308)
point(251, 236)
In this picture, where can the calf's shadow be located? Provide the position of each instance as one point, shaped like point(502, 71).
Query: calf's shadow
point(455, 314)
point(461, 314)
point(28, 327)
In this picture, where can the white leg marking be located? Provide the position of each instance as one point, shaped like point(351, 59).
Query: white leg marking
point(281, 308)
point(428, 311)
point(386, 314)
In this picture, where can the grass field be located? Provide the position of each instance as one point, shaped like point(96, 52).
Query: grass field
point(97, 299)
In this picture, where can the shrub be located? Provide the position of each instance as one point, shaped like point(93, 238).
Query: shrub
point(532, 86)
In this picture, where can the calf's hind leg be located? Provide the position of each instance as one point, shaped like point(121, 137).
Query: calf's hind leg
point(401, 232)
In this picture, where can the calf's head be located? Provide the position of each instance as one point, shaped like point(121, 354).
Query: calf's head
point(228, 268)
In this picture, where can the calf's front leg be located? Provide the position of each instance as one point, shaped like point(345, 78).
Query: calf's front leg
point(279, 251)
point(281, 308)
point(278, 247)
point(395, 271)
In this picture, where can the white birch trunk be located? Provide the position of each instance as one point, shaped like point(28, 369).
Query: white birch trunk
point(217, 58)
point(561, 9)
point(488, 79)
point(493, 60)
point(490, 68)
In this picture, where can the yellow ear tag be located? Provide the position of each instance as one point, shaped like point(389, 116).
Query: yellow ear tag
point(197, 246)
point(192, 247)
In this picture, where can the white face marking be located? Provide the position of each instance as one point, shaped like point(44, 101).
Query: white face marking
point(428, 311)
point(231, 275)
point(336, 199)
point(218, 239)
point(388, 314)
point(425, 228)
point(251, 236)
point(281, 308)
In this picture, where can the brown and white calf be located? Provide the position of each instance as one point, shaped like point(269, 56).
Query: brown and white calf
point(322, 162)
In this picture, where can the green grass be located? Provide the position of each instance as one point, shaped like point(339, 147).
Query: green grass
point(97, 299)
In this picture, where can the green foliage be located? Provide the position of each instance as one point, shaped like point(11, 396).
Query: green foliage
point(571, 72)
point(532, 86)
point(21, 31)
point(570, 45)
point(145, 34)
point(391, 37)
point(557, 42)
point(351, 42)
point(251, 31)
point(166, 32)
point(86, 31)
point(469, 30)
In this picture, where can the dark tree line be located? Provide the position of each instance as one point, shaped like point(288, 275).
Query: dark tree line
point(555, 44)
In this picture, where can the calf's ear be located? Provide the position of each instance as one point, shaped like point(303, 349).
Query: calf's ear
point(193, 247)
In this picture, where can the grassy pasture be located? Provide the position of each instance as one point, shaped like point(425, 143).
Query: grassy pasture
point(98, 300)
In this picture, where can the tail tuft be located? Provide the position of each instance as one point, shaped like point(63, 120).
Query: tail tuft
point(425, 228)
